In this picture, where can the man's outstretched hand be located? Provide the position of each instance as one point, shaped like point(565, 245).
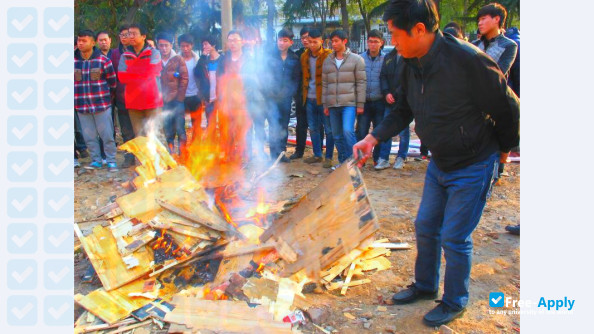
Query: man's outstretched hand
point(366, 147)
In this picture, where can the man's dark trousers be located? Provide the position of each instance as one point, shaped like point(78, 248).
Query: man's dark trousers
point(451, 207)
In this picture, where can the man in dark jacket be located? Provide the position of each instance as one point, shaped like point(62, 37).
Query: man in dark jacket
point(281, 82)
point(174, 82)
point(300, 112)
point(205, 74)
point(468, 118)
point(491, 19)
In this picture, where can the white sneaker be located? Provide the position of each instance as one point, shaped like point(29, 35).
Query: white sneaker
point(382, 164)
point(399, 164)
point(76, 163)
point(104, 162)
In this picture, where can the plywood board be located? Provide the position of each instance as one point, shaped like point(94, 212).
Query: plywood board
point(327, 223)
point(102, 250)
point(112, 306)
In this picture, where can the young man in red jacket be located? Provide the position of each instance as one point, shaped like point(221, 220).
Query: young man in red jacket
point(140, 69)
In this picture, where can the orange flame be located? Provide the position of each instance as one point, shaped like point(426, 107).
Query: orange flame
point(215, 158)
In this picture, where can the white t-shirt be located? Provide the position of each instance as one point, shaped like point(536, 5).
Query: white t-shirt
point(339, 62)
point(192, 89)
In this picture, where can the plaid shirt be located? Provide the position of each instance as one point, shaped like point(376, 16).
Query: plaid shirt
point(94, 79)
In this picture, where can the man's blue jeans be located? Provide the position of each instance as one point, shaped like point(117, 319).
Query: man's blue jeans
point(315, 119)
point(209, 110)
point(174, 124)
point(404, 143)
point(342, 120)
point(451, 207)
point(374, 114)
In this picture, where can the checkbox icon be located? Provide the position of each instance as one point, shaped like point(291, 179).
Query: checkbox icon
point(58, 94)
point(21, 166)
point(21, 22)
point(58, 58)
point(21, 310)
point(22, 94)
point(58, 311)
point(21, 274)
point(496, 299)
point(21, 130)
point(58, 238)
point(21, 202)
point(21, 58)
point(58, 202)
point(58, 274)
point(21, 238)
point(58, 22)
point(58, 130)
point(58, 166)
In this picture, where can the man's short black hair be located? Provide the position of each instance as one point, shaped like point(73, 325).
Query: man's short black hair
point(235, 32)
point(452, 31)
point(493, 9)
point(185, 38)
point(315, 33)
point(165, 36)
point(376, 33)
point(141, 28)
point(124, 27)
point(86, 33)
point(101, 32)
point(455, 26)
point(339, 33)
point(210, 39)
point(406, 13)
point(303, 31)
point(286, 33)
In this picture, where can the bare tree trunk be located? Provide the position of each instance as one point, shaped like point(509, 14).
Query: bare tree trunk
point(270, 21)
point(132, 12)
point(345, 17)
point(366, 18)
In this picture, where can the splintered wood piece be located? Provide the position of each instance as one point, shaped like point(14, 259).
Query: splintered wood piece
point(153, 157)
point(141, 204)
point(100, 327)
point(112, 270)
point(374, 252)
point(345, 286)
point(341, 264)
point(391, 245)
point(206, 219)
point(258, 289)
point(379, 263)
point(130, 327)
point(224, 316)
point(339, 285)
point(115, 305)
point(285, 251)
point(327, 223)
point(248, 249)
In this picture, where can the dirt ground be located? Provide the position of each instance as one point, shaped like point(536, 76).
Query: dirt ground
point(395, 195)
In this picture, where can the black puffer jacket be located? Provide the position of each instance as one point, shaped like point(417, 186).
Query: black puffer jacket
point(460, 101)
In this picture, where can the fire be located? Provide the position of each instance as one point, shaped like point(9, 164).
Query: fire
point(215, 158)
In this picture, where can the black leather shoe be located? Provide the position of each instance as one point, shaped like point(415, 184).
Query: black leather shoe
point(296, 155)
point(515, 230)
point(441, 314)
point(412, 294)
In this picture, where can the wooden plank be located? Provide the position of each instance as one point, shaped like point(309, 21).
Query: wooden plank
point(130, 327)
point(339, 285)
point(327, 223)
point(207, 218)
point(345, 286)
point(224, 316)
point(102, 250)
point(379, 263)
point(391, 245)
point(115, 305)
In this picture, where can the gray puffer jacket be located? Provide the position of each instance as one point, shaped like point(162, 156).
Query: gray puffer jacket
point(373, 69)
point(346, 86)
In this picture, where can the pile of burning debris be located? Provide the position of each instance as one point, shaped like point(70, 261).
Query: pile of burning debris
point(191, 250)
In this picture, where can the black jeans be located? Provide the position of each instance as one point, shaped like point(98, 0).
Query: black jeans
point(301, 130)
